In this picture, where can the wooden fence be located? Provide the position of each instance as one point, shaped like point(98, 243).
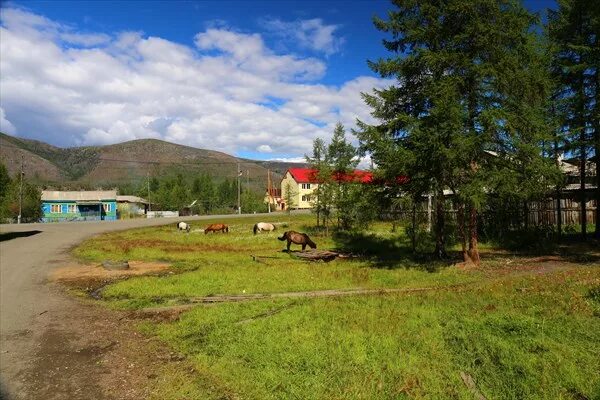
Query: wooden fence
point(546, 213)
point(538, 213)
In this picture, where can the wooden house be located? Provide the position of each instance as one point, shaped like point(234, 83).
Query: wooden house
point(97, 205)
point(302, 182)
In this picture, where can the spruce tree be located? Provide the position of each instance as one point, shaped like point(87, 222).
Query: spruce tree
point(457, 114)
point(317, 161)
point(342, 160)
point(573, 31)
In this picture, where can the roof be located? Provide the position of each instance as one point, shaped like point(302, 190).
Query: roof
point(85, 195)
point(308, 175)
point(131, 199)
point(303, 175)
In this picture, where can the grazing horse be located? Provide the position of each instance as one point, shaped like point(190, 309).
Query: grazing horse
point(184, 226)
point(297, 238)
point(216, 227)
point(263, 226)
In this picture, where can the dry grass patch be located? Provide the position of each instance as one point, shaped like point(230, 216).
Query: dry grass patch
point(77, 272)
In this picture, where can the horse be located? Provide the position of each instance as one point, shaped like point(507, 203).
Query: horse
point(263, 226)
point(297, 238)
point(183, 226)
point(216, 227)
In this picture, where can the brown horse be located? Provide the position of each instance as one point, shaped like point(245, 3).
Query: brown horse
point(297, 238)
point(216, 227)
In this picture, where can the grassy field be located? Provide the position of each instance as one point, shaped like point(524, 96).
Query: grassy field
point(518, 327)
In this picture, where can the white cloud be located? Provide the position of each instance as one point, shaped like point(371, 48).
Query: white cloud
point(5, 125)
point(290, 159)
point(26, 23)
point(264, 148)
point(229, 93)
point(308, 33)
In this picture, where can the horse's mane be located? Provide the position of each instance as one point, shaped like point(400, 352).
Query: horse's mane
point(309, 242)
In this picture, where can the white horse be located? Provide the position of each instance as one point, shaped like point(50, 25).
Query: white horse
point(263, 226)
point(184, 226)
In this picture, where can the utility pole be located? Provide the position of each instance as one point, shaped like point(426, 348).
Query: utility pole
point(238, 184)
point(429, 212)
point(21, 191)
point(269, 197)
point(248, 180)
point(148, 185)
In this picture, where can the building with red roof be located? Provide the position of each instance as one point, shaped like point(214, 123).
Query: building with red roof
point(303, 181)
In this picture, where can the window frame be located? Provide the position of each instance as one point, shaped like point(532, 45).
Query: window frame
point(53, 208)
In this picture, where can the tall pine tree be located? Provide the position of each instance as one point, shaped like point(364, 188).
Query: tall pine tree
point(457, 113)
point(573, 31)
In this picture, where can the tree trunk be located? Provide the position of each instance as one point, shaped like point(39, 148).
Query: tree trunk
point(596, 125)
point(582, 177)
point(318, 213)
point(473, 250)
point(597, 219)
point(414, 228)
point(583, 155)
point(558, 215)
point(558, 194)
point(440, 237)
point(460, 216)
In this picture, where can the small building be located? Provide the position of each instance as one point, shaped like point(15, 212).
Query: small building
point(273, 199)
point(302, 182)
point(96, 205)
point(132, 207)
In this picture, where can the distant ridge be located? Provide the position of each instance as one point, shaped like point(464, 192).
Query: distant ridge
point(128, 163)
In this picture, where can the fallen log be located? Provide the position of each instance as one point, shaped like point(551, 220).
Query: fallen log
point(316, 255)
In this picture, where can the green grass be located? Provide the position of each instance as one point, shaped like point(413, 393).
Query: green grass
point(223, 264)
point(520, 330)
point(538, 344)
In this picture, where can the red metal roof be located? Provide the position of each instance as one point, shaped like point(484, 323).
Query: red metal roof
point(307, 175)
point(303, 175)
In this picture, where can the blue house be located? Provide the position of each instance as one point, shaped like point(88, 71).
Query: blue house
point(94, 205)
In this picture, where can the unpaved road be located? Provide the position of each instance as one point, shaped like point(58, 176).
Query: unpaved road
point(53, 346)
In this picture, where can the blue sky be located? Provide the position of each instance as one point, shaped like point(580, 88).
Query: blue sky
point(257, 79)
point(179, 21)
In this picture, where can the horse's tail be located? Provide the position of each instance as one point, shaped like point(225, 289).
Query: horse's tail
point(282, 238)
point(309, 242)
point(255, 228)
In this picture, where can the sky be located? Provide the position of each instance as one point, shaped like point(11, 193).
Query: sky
point(256, 79)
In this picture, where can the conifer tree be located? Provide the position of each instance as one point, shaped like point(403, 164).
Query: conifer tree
point(574, 31)
point(456, 119)
point(317, 161)
point(342, 160)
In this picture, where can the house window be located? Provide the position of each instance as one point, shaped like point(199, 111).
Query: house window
point(306, 186)
point(72, 208)
point(107, 207)
point(55, 208)
point(305, 198)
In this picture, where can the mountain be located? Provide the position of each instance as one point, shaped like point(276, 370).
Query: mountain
point(128, 164)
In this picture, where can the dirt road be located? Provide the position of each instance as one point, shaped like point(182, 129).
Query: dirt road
point(53, 346)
